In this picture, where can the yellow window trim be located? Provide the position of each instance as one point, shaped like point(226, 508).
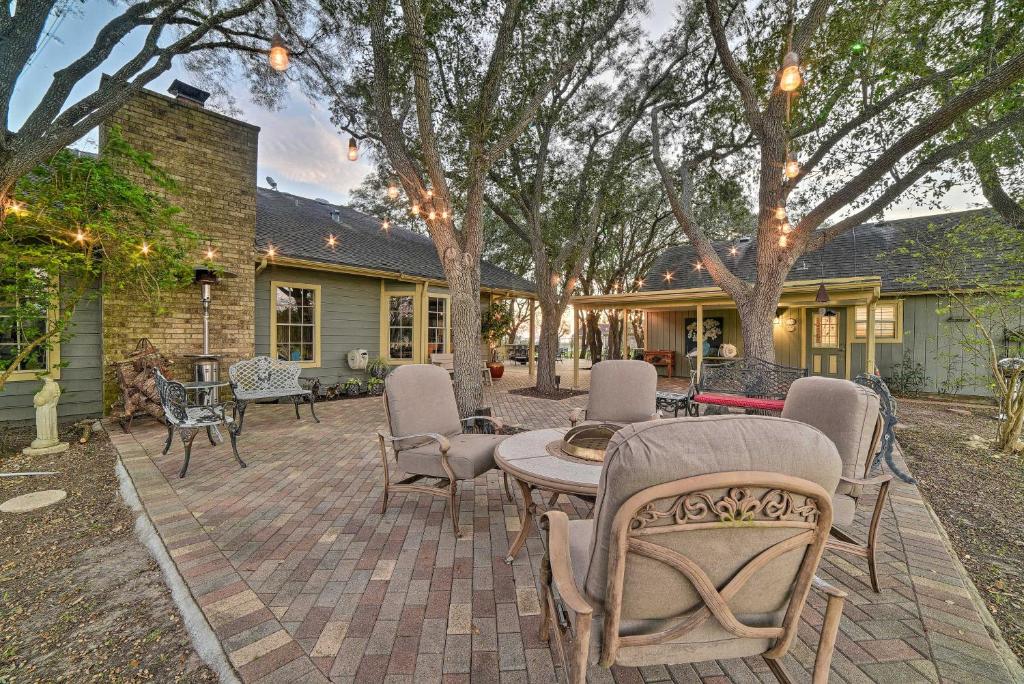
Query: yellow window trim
point(274, 284)
point(882, 340)
point(386, 293)
point(52, 359)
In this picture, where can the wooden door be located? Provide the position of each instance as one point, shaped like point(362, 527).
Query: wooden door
point(826, 341)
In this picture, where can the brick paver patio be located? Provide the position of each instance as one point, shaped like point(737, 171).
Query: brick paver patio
point(302, 579)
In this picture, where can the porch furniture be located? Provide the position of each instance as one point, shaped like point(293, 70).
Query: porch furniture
point(691, 556)
point(748, 383)
point(447, 361)
point(672, 401)
point(189, 420)
point(263, 378)
point(205, 394)
point(848, 414)
point(661, 358)
point(533, 459)
point(427, 437)
point(887, 407)
point(620, 392)
point(518, 353)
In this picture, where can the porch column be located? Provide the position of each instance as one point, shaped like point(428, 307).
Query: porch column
point(575, 348)
point(533, 332)
point(869, 352)
point(625, 333)
point(700, 338)
point(419, 323)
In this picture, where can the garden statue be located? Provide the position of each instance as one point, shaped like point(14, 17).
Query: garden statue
point(46, 441)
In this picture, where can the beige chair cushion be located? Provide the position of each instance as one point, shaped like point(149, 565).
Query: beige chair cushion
point(469, 456)
point(645, 454)
point(844, 508)
point(845, 411)
point(622, 392)
point(421, 399)
point(708, 642)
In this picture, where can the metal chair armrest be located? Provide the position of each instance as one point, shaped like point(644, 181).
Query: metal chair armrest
point(868, 481)
point(441, 440)
point(561, 566)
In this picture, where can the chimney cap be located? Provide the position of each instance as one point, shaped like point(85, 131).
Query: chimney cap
point(188, 92)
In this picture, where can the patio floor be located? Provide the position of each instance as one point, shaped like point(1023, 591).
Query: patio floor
point(302, 578)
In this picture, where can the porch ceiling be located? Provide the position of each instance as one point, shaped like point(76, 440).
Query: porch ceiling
point(796, 293)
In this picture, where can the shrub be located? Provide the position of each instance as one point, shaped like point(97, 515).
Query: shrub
point(907, 377)
point(352, 387)
point(377, 368)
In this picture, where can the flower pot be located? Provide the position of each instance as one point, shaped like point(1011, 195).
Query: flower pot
point(496, 369)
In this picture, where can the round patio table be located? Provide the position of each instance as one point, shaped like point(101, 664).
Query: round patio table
point(535, 461)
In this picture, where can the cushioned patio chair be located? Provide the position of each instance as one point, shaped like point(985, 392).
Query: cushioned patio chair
point(704, 543)
point(849, 414)
point(189, 420)
point(620, 392)
point(427, 437)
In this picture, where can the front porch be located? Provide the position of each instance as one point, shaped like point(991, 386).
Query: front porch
point(301, 578)
point(836, 338)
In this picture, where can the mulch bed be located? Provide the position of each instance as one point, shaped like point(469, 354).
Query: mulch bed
point(558, 395)
point(979, 497)
point(82, 599)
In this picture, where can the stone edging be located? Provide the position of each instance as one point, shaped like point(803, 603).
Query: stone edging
point(257, 645)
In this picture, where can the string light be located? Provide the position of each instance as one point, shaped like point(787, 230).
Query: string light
point(792, 166)
point(780, 213)
point(733, 251)
point(783, 241)
point(278, 56)
point(699, 266)
point(432, 215)
point(144, 248)
point(15, 207)
point(392, 191)
point(430, 194)
point(271, 252)
point(444, 213)
point(786, 228)
point(210, 253)
point(639, 282)
point(332, 241)
point(353, 149)
point(79, 236)
point(415, 210)
point(790, 79)
point(668, 276)
point(385, 225)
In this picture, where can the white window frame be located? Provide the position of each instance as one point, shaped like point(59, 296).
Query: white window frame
point(895, 338)
point(317, 327)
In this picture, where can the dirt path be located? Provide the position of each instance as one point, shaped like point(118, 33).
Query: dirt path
point(82, 600)
point(978, 495)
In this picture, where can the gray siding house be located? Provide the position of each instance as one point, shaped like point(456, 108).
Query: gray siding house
point(869, 298)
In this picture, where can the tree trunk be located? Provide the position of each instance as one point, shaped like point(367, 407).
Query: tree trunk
point(756, 318)
point(547, 356)
point(614, 336)
point(464, 286)
point(594, 343)
point(637, 322)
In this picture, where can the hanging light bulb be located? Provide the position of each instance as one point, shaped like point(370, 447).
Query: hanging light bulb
point(790, 79)
point(210, 253)
point(786, 228)
point(353, 149)
point(79, 236)
point(392, 191)
point(144, 249)
point(733, 251)
point(271, 252)
point(15, 207)
point(780, 213)
point(278, 56)
point(699, 266)
point(415, 210)
point(432, 215)
point(639, 282)
point(783, 241)
point(668, 276)
point(430, 194)
point(332, 241)
point(792, 166)
point(385, 225)
point(444, 213)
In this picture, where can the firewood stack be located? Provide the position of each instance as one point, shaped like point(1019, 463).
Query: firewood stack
point(138, 387)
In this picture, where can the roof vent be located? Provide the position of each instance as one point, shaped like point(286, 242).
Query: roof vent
point(335, 215)
point(188, 94)
point(743, 239)
point(321, 200)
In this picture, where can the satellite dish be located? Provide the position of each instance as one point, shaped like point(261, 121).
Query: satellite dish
point(272, 183)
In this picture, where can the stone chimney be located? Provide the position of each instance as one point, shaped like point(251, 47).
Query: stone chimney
point(212, 159)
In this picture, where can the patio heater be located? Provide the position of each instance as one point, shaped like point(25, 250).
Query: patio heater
point(206, 366)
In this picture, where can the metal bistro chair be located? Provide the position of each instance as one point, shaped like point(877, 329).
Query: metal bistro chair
point(189, 420)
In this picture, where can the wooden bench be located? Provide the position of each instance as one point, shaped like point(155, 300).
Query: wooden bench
point(447, 361)
point(665, 358)
point(750, 383)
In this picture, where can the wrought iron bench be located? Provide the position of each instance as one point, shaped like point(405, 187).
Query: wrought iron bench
point(266, 378)
point(749, 383)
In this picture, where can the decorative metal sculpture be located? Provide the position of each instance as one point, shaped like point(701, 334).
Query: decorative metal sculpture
point(887, 406)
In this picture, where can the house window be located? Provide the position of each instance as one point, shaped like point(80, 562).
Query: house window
point(826, 330)
point(887, 323)
point(22, 322)
point(295, 332)
point(401, 309)
point(437, 325)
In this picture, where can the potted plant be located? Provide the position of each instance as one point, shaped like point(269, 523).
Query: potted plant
point(375, 387)
point(377, 368)
point(496, 325)
point(352, 387)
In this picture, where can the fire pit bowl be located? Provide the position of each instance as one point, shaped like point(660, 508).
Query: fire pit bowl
point(589, 442)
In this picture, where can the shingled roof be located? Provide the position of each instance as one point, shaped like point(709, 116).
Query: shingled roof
point(865, 250)
point(298, 227)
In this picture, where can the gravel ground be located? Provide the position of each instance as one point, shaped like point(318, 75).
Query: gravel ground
point(978, 495)
point(82, 600)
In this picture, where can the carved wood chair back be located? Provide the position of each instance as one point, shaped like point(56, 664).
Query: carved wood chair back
point(716, 551)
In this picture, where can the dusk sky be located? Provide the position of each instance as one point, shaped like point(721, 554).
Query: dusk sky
point(299, 146)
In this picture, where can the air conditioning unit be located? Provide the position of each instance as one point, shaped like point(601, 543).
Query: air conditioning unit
point(357, 359)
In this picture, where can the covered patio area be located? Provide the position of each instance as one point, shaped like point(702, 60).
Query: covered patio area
point(835, 338)
point(301, 578)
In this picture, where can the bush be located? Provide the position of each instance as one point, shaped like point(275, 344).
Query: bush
point(375, 387)
point(907, 377)
point(352, 387)
point(377, 368)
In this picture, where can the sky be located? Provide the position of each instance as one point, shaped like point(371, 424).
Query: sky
point(299, 147)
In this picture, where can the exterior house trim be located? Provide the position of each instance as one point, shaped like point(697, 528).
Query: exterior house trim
point(317, 327)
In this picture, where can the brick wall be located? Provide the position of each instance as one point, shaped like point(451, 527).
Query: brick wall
point(213, 159)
